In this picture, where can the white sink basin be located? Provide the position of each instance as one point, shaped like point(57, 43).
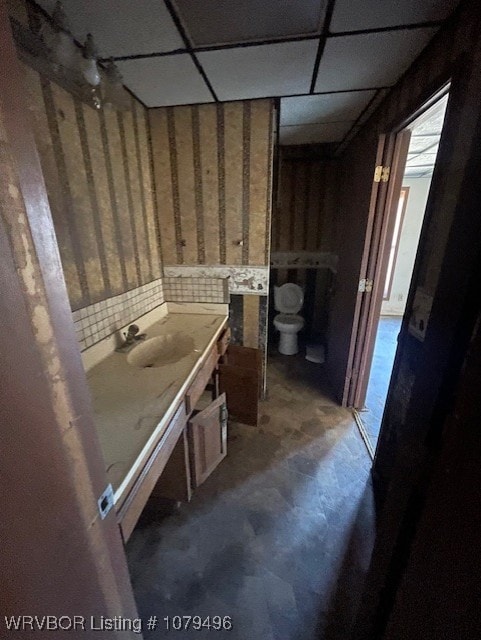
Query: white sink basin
point(156, 352)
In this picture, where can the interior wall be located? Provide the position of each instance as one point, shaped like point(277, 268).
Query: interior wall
point(303, 232)
point(307, 203)
point(58, 556)
point(431, 70)
point(213, 174)
point(98, 173)
point(439, 592)
point(425, 369)
point(212, 170)
point(408, 244)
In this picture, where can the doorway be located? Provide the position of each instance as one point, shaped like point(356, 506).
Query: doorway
point(392, 253)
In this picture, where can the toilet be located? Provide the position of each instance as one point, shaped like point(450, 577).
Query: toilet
point(288, 300)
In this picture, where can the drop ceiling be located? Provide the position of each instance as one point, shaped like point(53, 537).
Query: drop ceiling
point(328, 61)
point(424, 143)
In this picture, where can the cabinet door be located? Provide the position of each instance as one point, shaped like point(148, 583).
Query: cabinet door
point(208, 439)
point(240, 380)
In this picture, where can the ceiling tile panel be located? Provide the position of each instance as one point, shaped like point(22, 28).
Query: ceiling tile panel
point(426, 133)
point(325, 108)
point(431, 122)
point(380, 95)
point(122, 27)
point(352, 15)
point(165, 81)
point(417, 173)
point(369, 60)
point(420, 143)
point(422, 159)
point(260, 71)
point(314, 133)
point(229, 21)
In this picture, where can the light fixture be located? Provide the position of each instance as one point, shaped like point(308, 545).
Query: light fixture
point(59, 39)
point(49, 47)
point(90, 70)
point(115, 95)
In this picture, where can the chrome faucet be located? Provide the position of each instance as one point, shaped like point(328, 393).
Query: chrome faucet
point(131, 337)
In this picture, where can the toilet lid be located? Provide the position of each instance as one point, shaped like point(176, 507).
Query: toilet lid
point(288, 298)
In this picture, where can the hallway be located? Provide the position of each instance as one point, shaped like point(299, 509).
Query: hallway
point(279, 537)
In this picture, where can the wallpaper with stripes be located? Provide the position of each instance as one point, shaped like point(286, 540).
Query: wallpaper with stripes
point(303, 236)
point(306, 210)
point(213, 177)
point(98, 172)
point(212, 168)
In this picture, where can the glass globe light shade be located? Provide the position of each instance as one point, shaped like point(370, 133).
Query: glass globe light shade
point(115, 95)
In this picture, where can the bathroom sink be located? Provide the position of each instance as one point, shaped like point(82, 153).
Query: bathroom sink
point(156, 352)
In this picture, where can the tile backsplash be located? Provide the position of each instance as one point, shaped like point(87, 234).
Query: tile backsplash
point(102, 319)
point(99, 320)
point(180, 289)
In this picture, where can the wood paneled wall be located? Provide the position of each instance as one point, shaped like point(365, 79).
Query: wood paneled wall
point(212, 168)
point(98, 172)
point(423, 383)
point(307, 205)
point(455, 53)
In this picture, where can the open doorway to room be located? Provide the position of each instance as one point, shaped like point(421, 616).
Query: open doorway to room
point(414, 159)
point(302, 262)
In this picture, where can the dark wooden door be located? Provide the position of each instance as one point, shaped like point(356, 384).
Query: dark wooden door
point(208, 440)
point(346, 299)
point(241, 380)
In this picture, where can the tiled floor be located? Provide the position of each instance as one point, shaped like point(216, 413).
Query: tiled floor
point(279, 537)
point(384, 352)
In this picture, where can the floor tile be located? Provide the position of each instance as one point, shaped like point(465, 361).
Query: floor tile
point(380, 375)
point(279, 536)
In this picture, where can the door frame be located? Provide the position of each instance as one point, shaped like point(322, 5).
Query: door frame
point(376, 257)
point(393, 148)
point(52, 468)
point(402, 215)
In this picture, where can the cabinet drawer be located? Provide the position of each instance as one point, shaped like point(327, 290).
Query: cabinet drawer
point(196, 389)
point(223, 342)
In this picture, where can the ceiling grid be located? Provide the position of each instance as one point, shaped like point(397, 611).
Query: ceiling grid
point(328, 61)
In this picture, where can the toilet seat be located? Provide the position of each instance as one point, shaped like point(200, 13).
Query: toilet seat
point(289, 318)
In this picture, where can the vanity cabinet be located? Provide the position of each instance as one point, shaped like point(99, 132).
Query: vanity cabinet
point(202, 379)
point(223, 341)
point(131, 508)
point(207, 433)
point(195, 439)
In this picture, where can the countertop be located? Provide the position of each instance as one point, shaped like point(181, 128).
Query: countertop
point(132, 406)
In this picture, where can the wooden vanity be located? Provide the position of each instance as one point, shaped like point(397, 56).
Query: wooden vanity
point(163, 429)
